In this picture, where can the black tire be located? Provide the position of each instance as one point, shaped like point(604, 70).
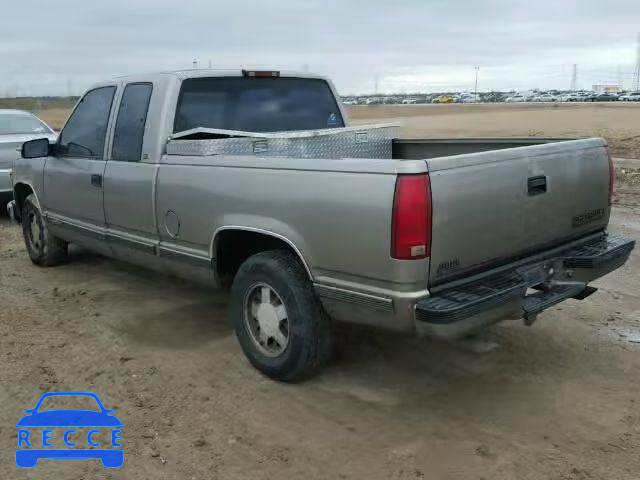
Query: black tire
point(44, 249)
point(308, 327)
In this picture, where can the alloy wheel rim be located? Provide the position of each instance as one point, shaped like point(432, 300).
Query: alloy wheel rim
point(266, 320)
point(35, 232)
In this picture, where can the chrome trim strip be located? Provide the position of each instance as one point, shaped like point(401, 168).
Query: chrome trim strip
point(141, 246)
point(154, 197)
point(195, 260)
point(87, 232)
point(382, 304)
point(127, 240)
point(123, 238)
point(81, 227)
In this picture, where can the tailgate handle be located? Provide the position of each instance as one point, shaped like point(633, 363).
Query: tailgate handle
point(537, 185)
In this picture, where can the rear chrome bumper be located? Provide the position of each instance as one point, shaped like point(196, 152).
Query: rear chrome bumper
point(455, 311)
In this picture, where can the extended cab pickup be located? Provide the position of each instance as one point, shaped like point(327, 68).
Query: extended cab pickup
point(253, 180)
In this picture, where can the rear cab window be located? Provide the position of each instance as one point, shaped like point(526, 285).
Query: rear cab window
point(130, 124)
point(257, 104)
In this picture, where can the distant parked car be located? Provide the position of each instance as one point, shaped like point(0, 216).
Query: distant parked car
point(544, 97)
point(16, 127)
point(569, 97)
point(630, 97)
point(491, 97)
point(469, 98)
point(443, 99)
point(602, 97)
point(374, 101)
point(516, 99)
point(583, 96)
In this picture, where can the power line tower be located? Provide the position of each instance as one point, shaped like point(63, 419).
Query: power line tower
point(475, 89)
point(636, 84)
point(574, 78)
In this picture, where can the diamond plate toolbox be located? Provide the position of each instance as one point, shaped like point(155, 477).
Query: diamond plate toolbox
point(370, 141)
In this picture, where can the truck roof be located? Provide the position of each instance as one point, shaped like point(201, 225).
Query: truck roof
point(203, 72)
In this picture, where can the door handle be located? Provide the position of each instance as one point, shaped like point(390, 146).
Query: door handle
point(537, 185)
point(96, 180)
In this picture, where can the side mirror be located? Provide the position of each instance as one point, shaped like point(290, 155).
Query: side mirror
point(35, 148)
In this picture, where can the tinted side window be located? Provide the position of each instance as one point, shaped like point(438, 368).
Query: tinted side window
point(132, 117)
point(84, 133)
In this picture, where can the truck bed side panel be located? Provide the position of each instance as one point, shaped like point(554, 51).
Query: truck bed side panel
point(340, 221)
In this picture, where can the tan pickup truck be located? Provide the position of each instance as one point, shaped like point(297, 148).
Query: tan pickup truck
point(253, 180)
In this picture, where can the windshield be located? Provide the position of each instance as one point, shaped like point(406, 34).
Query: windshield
point(12, 123)
point(257, 104)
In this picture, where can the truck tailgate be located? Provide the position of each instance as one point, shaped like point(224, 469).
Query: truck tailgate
point(493, 207)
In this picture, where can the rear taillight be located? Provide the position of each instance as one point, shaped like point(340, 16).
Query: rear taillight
point(612, 177)
point(411, 222)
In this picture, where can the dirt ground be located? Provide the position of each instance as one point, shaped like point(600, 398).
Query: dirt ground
point(558, 400)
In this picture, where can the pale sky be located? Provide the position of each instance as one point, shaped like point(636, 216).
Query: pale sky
point(408, 45)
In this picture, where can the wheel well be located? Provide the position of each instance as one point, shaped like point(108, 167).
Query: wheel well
point(233, 247)
point(20, 193)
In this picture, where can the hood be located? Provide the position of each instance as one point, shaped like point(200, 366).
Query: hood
point(23, 137)
point(10, 143)
point(69, 418)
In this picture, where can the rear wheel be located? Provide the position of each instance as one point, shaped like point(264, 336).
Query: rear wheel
point(44, 249)
point(280, 323)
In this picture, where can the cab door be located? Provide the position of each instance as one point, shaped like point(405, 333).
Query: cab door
point(73, 177)
point(129, 181)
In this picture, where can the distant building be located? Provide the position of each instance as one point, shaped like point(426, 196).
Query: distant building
point(607, 88)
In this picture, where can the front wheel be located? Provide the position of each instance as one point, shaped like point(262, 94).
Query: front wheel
point(280, 323)
point(44, 249)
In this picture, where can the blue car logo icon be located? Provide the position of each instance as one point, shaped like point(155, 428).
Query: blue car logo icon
point(31, 448)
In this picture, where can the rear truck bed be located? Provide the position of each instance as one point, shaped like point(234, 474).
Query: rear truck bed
point(511, 232)
point(474, 232)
